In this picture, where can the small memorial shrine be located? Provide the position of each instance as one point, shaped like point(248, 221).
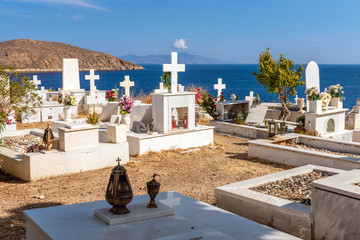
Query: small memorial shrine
point(173, 110)
point(173, 114)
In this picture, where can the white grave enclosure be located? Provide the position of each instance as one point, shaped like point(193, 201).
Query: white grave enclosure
point(174, 120)
point(191, 216)
point(126, 84)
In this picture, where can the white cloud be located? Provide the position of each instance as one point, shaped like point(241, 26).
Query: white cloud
point(80, 3)
point(180, 43)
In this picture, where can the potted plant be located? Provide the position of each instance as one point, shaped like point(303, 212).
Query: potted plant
point(313, 96)
point(337, 97)
point(125, 105)
point(69, 101)
point(111, 96)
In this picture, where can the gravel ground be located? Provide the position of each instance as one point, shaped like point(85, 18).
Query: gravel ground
point(296, 188)
point(303, 146)
point(195, 174)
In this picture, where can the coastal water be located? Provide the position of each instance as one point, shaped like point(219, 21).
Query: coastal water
point(238, 79)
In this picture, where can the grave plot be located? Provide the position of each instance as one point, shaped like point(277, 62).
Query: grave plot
point(247, 199)
point(299, 150)
point(76, 148)
point(336, 202)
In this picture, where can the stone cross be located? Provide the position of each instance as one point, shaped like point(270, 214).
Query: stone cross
point(36, 81)
point(127, 84)
point(174, 68)
point(92, 77)
point(312, 76)
point(250, 98)
point(219, 86)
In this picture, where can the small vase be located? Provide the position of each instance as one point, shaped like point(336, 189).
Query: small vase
point(301, 103)
point(337, 102)
point(315, 106)
point(67, 113)
point(126, 120)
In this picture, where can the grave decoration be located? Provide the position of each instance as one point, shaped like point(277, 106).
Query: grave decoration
point(219, 87)
point(165, 81)
point(125, 105)
point(48, 138)
point(336, 92)
point(153, 188)
point(69, 101)
point(119, 192)
point(111, 96)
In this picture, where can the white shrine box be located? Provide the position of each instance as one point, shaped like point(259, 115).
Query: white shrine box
point(166, 104)
point(326, 122)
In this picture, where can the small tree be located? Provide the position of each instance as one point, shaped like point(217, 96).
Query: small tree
point(17, 94)
point(279, 76)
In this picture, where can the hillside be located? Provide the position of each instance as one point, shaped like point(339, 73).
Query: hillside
point(28, 55)
point(184, 57)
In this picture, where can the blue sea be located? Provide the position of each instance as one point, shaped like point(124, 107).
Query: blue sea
point(237, 77)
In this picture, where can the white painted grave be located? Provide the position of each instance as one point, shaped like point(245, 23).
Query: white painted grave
point(77, 221)
point(127, 84)
point(174, 118)
point(250, 98)
point(257, 114)
point(219, 87)
point(36, 81)
point(174, 68)
point(92, 77)
point(70, 77)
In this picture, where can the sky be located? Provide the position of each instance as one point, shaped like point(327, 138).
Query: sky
point(326, 31)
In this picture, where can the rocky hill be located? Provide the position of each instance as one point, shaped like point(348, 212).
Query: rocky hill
point(28, 55)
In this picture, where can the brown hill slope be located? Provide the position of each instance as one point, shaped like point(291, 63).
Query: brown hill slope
point(28, 55)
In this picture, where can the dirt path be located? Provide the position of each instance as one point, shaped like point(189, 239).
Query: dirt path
point(195, 174)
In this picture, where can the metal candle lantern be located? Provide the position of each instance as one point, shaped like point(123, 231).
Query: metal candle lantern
point(119, 192)
point(48, 137)
point(153, 188)
point(272, 128)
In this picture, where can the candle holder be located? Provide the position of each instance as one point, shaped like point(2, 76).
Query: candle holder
point(153, 188)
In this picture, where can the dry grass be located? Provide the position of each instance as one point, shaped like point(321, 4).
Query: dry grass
point(40, 125)
point(144, 98)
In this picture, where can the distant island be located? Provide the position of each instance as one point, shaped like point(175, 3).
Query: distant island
point(28, 55)
point(184, 58)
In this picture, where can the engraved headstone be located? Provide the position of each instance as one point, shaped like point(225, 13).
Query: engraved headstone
point(312, 75)
point(70, 74)
point(256, 114)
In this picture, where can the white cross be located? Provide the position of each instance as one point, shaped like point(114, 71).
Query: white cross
point(127, 84)
point(36, 81)
point(219, 87)
point(174, 68)
point(92, 77)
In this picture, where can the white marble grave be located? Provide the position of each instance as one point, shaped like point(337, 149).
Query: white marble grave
point(126, 84)
point(78, 222)
point(219, 87)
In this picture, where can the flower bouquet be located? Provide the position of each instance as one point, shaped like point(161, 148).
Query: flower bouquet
point(125, 105)
point(312, 94)
point(111, 96)
point(165, 78)
point(69, 100)
point(336, 91)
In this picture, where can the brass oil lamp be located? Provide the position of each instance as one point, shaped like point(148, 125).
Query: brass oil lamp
point(153, 188)
point(119, 192)
point(48, 138)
